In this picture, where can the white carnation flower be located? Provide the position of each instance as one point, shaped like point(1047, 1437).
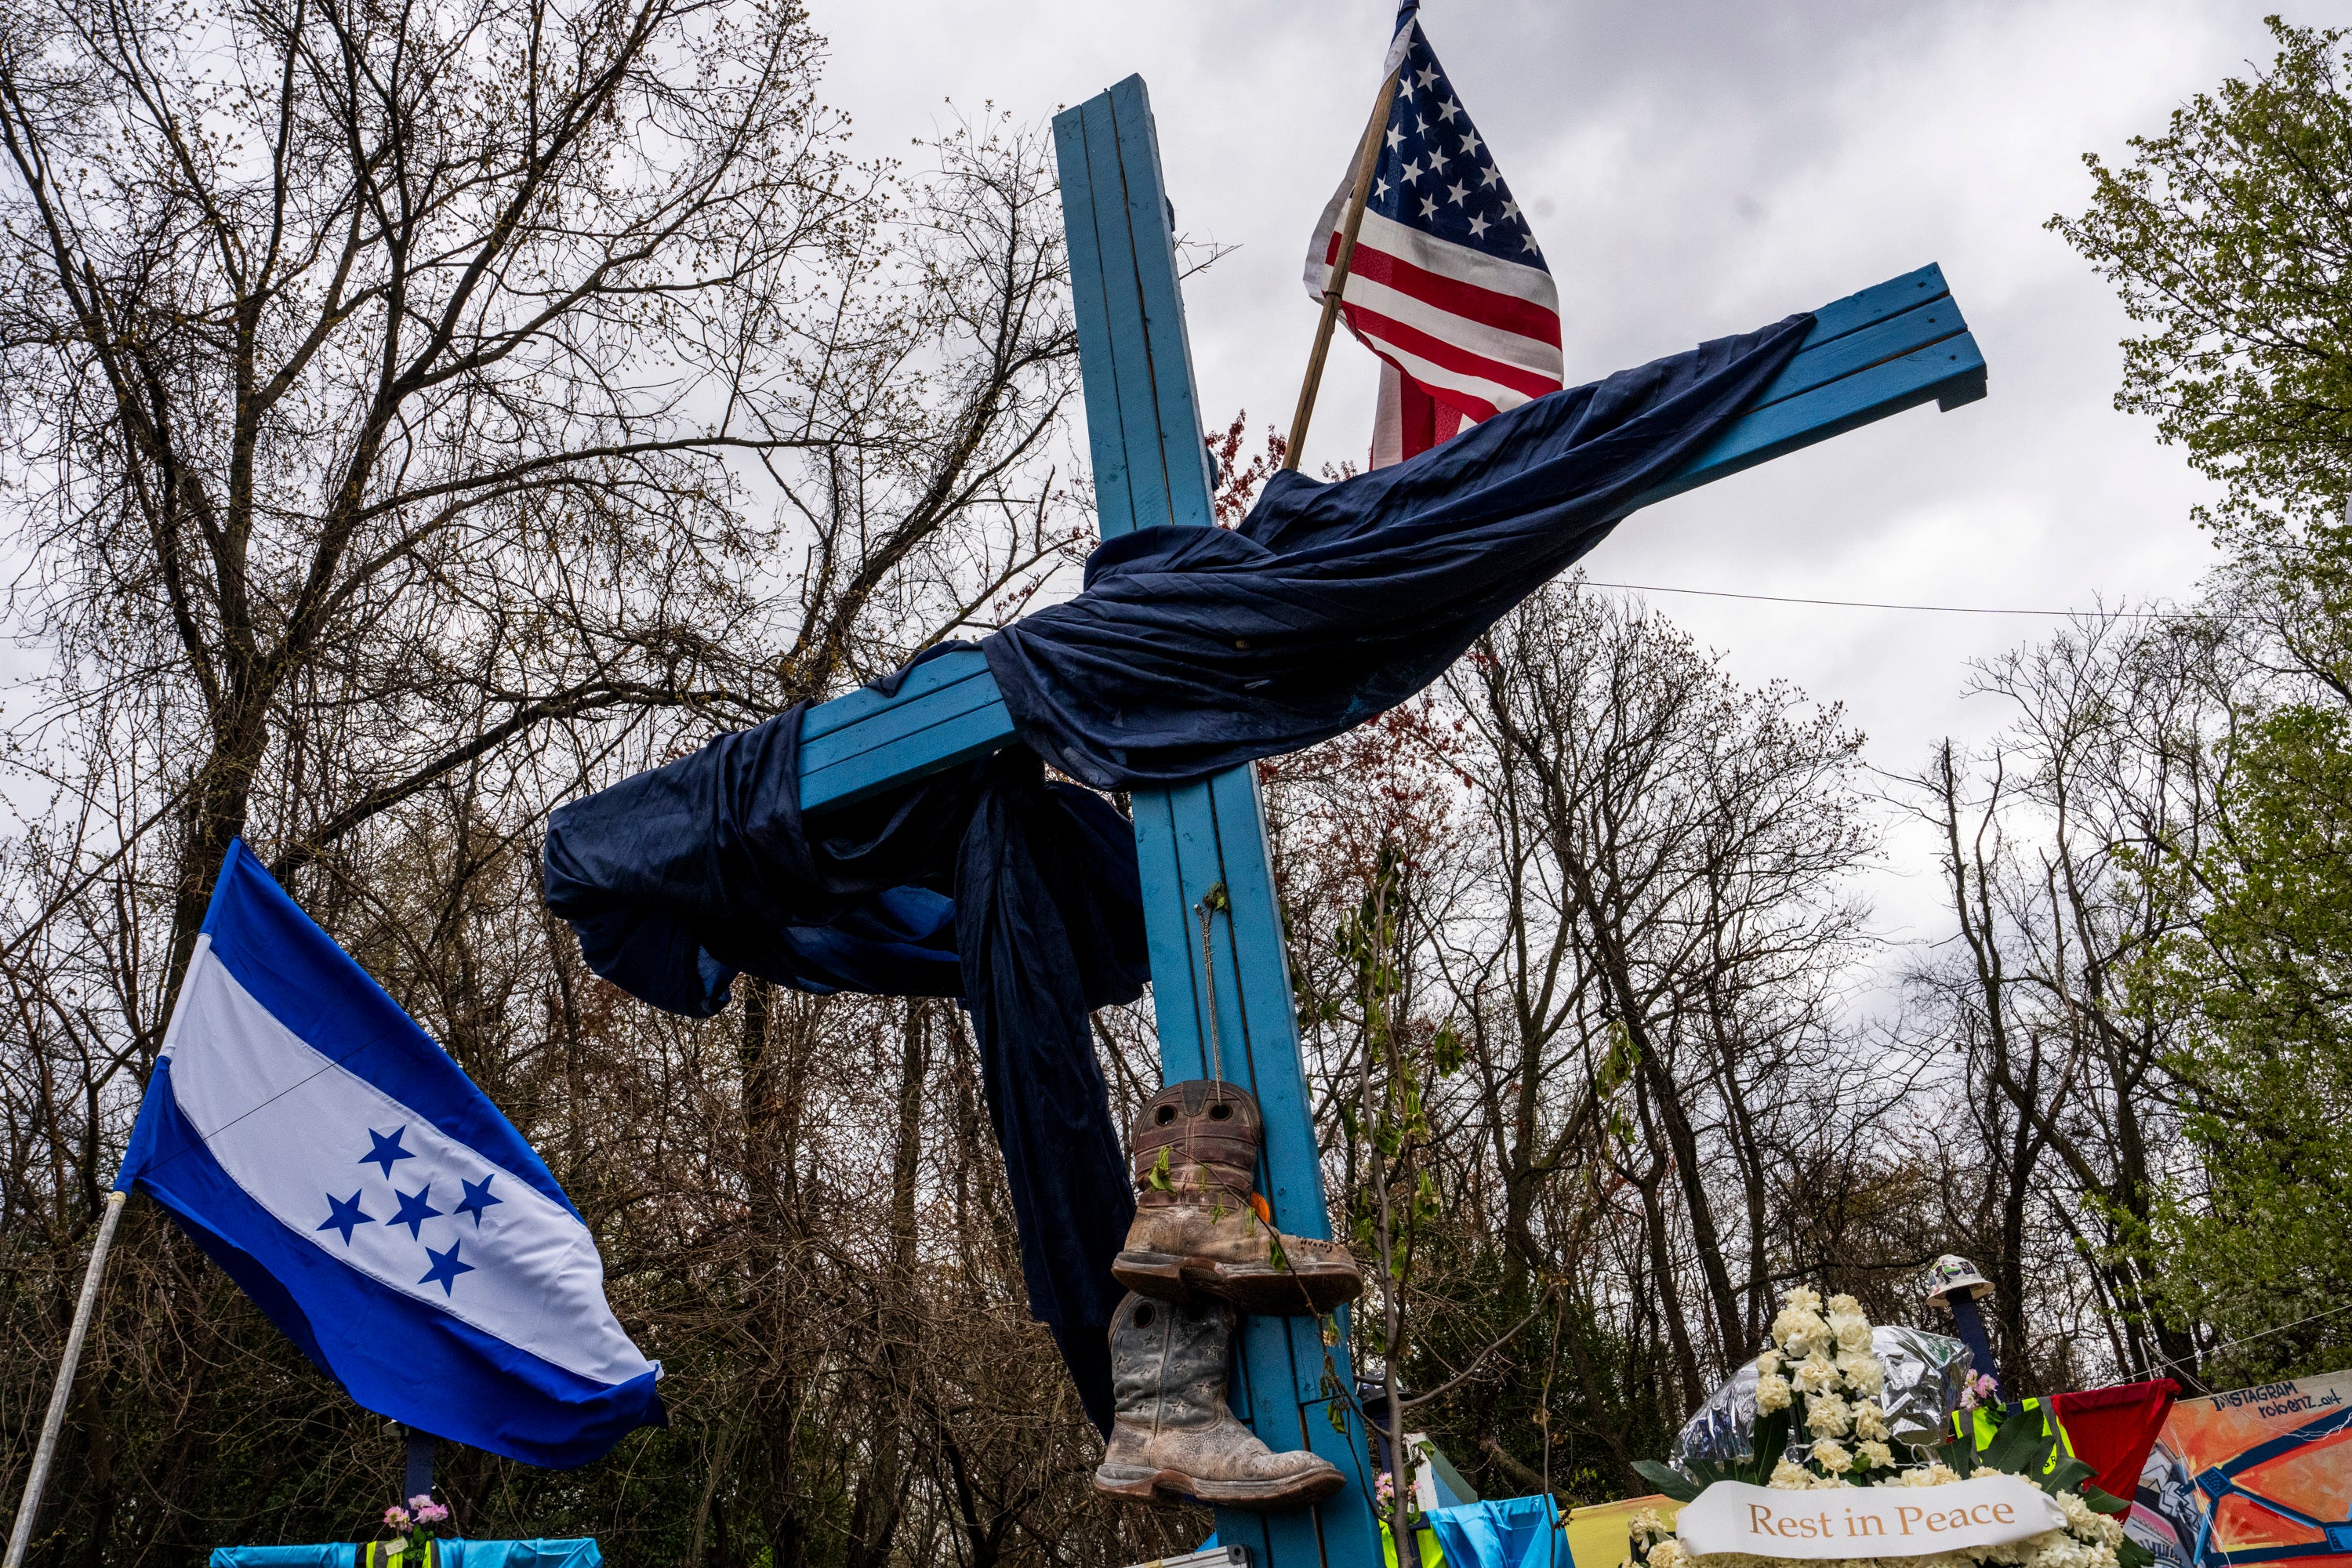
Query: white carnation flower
point(1790, 1476)
point(1852, 1332)
point(1768, 1362)
point(1827, 1416)
point(2088, 1522)
point(1800, 1331)
point(1875, 1453)
point(2058, 1549)
point(1869, 1420)
point(1771, 1393)
point(1831, 1456)
point(1815, 1374)
point(1802, 1297)
point(1863, 1373)
point(1668, 1554)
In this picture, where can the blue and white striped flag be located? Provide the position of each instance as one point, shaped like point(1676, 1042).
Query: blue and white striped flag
point(327, 1155)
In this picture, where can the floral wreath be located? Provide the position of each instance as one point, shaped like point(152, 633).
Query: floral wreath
point(1822, 1378)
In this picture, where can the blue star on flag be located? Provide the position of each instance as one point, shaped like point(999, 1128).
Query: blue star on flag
point(477, 1198)
point(347, 1214)
point(386, 1149)
point(446, 1268)
point(415, 1210)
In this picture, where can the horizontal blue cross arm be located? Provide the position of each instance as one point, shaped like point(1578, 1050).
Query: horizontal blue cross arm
point(946, 711)
point(1869, 355)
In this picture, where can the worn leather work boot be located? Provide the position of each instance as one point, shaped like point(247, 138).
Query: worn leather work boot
point(1200, 1227)
point(1174, 1437)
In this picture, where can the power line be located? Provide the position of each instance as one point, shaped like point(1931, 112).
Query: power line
point(1875, 604)
point(2249, 1338)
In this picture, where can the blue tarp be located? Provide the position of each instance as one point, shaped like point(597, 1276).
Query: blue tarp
point(987, 882)
point(1195, 648)
point(1509, 1533)
point(1191, 650)
point(579, 1553)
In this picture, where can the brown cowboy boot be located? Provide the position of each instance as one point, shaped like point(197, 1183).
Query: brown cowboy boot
point(1199, 1225)
point(1173, 1436)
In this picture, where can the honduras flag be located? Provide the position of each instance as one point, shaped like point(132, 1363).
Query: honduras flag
point(372, 1200)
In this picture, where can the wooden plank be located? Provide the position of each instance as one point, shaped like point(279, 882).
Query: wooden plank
point(1952, 371)
point(1183, 455)
point(1196, 836)
point(940, 670)
point(1858, 352)
point(929, 751)
point(1090, 290)
point(1133, 445)
point(1870, 306)
point(1212, 833)
point(1261, 974)
point(899, 720)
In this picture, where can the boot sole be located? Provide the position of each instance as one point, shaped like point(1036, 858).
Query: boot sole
point(1257, 1289)
point(1136, 1484)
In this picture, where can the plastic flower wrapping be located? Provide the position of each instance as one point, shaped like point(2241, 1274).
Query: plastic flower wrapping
point(1919, 1378)
point(1846, 1394)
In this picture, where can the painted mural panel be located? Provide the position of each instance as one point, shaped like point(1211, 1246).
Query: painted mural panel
point(2257, 1475)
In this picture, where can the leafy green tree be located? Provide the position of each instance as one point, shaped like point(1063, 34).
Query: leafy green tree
point(2230, 236)
point(2261, 1238)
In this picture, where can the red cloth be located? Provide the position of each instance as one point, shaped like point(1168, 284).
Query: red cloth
point(2112, 1429)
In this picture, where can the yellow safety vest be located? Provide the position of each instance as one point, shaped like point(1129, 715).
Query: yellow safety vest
point(1982, 1427)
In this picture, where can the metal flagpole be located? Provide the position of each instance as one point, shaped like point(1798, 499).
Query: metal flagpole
point(21, 1537)
point(1367, 157)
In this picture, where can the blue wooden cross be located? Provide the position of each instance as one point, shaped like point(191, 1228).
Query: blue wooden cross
point(1869, 355)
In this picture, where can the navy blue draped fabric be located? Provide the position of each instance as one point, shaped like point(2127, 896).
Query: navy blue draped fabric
point(985, 883)
point(1193, 649)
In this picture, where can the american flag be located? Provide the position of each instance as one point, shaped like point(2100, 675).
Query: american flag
point(1447, 285)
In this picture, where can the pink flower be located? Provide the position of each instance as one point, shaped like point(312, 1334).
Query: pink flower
point(421, 1500)
point(432, 1514)
point(396, 1517)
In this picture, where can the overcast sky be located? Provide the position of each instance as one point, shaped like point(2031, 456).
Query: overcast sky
point(1695, 169)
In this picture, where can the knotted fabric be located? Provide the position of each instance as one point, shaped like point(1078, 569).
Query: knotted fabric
point(984, 882)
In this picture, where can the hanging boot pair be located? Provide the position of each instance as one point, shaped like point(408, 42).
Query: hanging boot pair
point(1200, 1231)
point(1199, 1228)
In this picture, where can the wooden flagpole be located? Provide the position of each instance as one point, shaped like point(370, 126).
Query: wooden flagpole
point(1367, 157)
point(20, 1538)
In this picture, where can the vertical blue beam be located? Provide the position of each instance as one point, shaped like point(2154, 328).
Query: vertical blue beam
point(1143, 426)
